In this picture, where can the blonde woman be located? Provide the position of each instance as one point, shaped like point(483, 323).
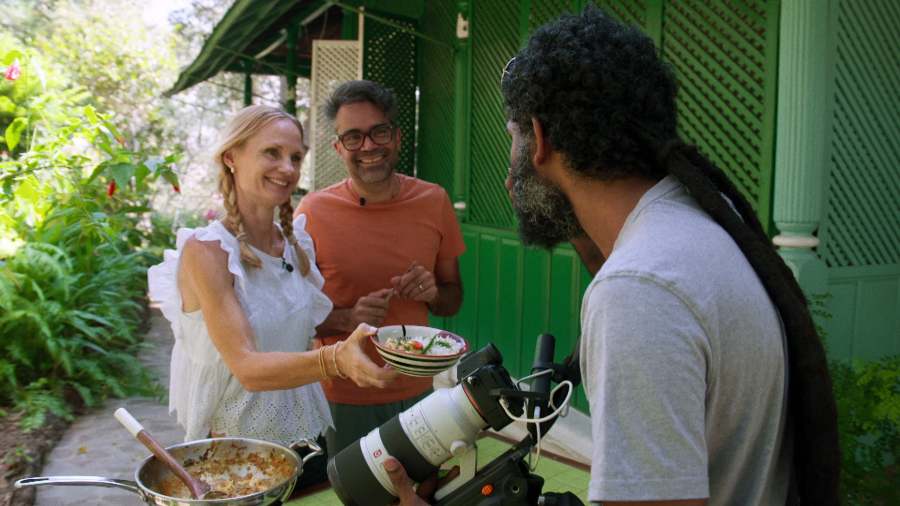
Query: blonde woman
point(244, 297)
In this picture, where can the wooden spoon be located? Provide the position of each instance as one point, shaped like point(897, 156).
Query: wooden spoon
point(198, 488)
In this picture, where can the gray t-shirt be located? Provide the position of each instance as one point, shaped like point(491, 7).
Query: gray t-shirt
point(683, 361)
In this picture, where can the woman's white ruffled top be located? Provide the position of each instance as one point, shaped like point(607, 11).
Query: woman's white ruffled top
point(283, 308)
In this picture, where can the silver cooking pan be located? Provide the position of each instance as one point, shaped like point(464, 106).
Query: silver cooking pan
point(221, 462)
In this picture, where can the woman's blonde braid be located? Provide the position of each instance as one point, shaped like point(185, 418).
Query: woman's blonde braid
point(286, 214)
point(233, 220)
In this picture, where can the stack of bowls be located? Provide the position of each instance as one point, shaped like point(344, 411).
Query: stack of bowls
point(437, 360)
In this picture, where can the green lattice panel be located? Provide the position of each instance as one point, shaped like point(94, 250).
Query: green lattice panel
point(632, 12)
point(390, 59)
point(436, 79)
point(543, 11)
point(495, 38)
point(719, 52)
point(861, 225)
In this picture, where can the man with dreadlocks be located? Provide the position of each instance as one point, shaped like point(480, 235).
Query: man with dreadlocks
point(707, 383)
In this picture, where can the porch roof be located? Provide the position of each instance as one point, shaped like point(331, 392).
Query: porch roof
point(251, 36)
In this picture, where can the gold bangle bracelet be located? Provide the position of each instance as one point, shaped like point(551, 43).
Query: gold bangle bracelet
point(337, 370)
point(321, 359)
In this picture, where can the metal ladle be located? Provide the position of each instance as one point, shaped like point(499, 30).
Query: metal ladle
point(199, 488)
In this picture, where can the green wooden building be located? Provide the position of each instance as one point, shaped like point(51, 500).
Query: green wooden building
point(798, 100)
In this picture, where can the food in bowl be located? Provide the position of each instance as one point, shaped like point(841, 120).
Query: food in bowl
point(437, 344)
point(416, 350)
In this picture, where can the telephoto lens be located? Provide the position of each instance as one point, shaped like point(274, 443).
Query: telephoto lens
point(423, 437)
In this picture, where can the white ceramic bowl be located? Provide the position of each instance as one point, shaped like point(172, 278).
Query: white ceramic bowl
point(418, 371)
point(439, 358)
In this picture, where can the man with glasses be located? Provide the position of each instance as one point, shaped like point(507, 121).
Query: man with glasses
point(387, 245)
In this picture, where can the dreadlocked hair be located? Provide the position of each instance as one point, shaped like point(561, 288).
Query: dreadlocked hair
point(285, 214)
point(812, 409)
point(606, 102)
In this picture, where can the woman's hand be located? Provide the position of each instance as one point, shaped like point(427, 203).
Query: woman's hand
point(357, 366)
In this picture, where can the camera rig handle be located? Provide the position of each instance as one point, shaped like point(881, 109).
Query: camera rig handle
point(507, 481)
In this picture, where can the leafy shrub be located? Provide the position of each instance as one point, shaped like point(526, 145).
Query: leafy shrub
point(868, 404)
point(67, 329)
point(868, 401)
point(74, 226)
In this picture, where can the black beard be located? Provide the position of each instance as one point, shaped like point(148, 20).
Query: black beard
point(546, 217)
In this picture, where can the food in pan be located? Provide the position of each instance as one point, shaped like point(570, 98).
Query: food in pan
point(237, 475)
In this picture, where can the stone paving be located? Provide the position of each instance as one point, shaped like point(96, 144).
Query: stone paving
point(97, 445)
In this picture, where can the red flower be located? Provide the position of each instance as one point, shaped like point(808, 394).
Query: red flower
point(176, 188)
point(13, 71)
point(111, 188)
point(211, 214)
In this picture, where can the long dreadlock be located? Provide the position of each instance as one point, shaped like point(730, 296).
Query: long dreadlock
point(607, 103)
point(811, 401)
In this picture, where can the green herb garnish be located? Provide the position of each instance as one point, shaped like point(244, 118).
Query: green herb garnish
point(428, 346)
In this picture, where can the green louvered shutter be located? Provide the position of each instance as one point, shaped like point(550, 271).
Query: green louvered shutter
point(631, 12)
point(724, 55)
point(436, 79)
point(861, 225)
point(389, 58)
point(547, 10)
point(725, 59)
point(495, 38)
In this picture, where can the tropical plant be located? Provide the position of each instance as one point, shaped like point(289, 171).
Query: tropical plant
point(868, 401)
point(68, 330)
point(867, 394)
point(74, 226)
point(105, 48)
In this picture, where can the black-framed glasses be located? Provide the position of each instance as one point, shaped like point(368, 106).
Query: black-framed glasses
point(354, 139)
point(505, 72)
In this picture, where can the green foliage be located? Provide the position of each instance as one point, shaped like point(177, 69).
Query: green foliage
point(39, 398)
point(74, 229)
point(868, 400)
point(161, 235)
point(103, 48)
point(868, 404)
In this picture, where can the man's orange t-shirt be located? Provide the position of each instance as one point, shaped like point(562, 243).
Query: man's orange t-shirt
point(359, 248)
